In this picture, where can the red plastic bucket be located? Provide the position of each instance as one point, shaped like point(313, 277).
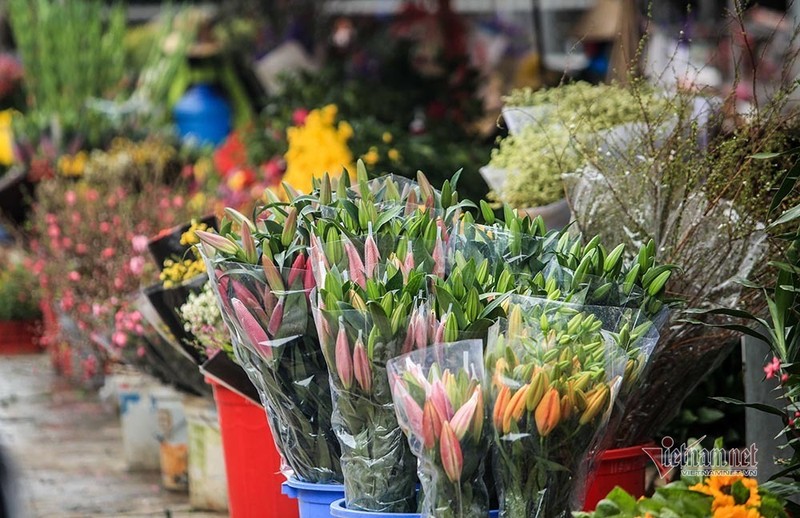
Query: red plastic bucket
point(19, 337)
point(252, 462)
point(623, 467)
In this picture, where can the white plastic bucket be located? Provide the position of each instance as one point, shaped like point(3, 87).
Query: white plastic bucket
point(138, 421)
point(208, 485)
point(173, 437)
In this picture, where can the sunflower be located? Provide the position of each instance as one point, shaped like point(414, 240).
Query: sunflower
point(720, 487)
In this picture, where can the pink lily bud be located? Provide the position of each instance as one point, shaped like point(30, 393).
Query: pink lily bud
point(269, 300)
point(415, 371)
point(462, 419)
point(297, 269)
point(408, 264)
point(438, 337)
point(480, 415)
point(344, 362)
point(217, 242)
point(316, 248)
point(438, 255)
point(443, 230)
point(222, 285)
point(356, 268)
point(252, 329)
point(361, 366)
point(371, 254)
point(431, 425)
point(438, 397)
point(249, 246)
point(248, 299)
point(272, 274)
point(308, 278)
point(410, 407)
point(421, 330)
point(276, 319)
point(452, 457)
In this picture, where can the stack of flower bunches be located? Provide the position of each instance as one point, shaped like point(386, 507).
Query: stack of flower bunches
point(440, 406)
point(259, 271)
point(372, 257)
point(554, 375)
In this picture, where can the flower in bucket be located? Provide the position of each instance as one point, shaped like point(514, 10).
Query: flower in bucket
point(439, 402)
point(554, 377)
point(259, 272)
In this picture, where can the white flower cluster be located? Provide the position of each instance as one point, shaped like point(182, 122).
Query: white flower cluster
point(202, 318)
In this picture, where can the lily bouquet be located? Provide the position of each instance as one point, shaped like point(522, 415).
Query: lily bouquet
point(438, 395)
point(554, 376)
point(371, 255)
point(260, 275)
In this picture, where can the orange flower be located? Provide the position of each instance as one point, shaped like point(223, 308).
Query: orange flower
point(736, 511)
point(548, 412)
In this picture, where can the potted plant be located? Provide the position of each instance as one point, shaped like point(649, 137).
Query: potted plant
point(19, 309)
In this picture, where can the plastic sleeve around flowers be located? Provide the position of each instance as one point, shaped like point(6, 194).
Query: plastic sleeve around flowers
point(553, 376)
point(379, 469)
point(438, 396)
point(275, 341)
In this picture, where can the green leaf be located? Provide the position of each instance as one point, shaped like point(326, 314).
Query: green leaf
point(787, 184)
point(758, 406)
point(787, 216)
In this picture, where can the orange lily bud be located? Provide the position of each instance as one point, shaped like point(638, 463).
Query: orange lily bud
point(548, 412)
point(500, 407)
point(452, 457)
point(431, 425)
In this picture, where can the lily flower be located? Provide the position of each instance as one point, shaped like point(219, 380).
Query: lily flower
point(361, 366)
point(452, 457)
point(344, 362)
point(356, 268)
point(252, 329)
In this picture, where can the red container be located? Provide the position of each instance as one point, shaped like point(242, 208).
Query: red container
point(252, 462)
point(623, 467)
point(19, 337)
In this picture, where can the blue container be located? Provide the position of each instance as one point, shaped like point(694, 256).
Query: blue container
point(313, 500)
point(339, 510)
point(203, 115)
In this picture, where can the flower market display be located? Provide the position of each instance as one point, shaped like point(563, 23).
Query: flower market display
point(292, 225)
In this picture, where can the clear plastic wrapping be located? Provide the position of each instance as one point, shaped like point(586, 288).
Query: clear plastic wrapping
point(275, 340)
point(554, 375)
point(438, 396)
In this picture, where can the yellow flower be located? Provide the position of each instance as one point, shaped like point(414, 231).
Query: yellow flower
point(719, 487)
point(394, 155)
point(237, 180)
point(6, 139)
point(372, 156)
point(319, 146)
point(190, 237)
point(387, 137)
point(73, 165)
point(197, 202)
point(202, 168)
point(736, 511)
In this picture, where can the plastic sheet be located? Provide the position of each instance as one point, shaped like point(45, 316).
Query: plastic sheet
point(275, 341)
point(438, 395)
point(379, 474)
point(554, 377)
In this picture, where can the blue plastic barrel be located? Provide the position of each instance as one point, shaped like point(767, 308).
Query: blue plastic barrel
point(314, 500)
point(203, 115)
point(339, 510)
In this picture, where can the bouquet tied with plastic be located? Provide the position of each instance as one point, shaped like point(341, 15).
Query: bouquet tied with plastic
point(438, 395)
point(263, 286)
point(555, 373)
point(368, 290)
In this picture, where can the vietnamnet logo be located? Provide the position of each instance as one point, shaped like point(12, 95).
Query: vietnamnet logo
point(695, 461)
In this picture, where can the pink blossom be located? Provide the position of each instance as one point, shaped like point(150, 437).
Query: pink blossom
point(139, 243)
point(140, 352)
point(66, 243)
point(299, 116)
point(105, 227)
point(772, 368)
point(75, 217)
point(71, 198)
point(119, 339)
point(107, 253)
point(53, 231)
point(136, 264)
point(81, 249)
point(784, 378)
point(92, 195)
point(74, 276)
point(177, 201)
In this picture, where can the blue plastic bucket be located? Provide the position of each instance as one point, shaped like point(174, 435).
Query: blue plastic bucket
point(314, 500)
point(340, 510)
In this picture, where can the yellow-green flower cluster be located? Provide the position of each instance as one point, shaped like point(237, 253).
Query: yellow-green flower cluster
point(176, 272)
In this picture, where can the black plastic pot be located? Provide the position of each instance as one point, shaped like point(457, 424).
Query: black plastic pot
point(167, 303)
point(16, 194)
point(168, 243)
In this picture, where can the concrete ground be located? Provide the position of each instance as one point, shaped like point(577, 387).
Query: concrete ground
point(67, 448)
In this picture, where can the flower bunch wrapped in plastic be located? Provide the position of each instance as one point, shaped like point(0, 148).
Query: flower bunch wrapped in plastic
point(372, 250)
point(438, 394)
point(260, 275)
point(554, 376)
point(203, 321)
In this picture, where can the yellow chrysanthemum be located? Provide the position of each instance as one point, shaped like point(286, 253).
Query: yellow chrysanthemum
point(73, 166)
point(371, 157)
point(393, 154)
point(387, 137)
point(736, 511)
point(319, 146)
point(6, 139)
point(189, 237)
